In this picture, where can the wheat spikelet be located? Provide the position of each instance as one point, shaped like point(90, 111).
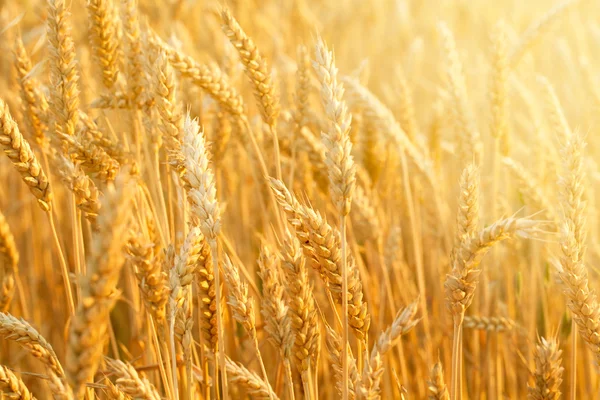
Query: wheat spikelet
point(114, 393)
point(383, 121)
point(548, 371)
point(84, 189)
point(202, 193)
point(275, 311)
point(117, 100)
point(34, 101)
point(92, 158)
point(136, 73)
point(557, 119)
point(302, 87)
point(9, 259)
point(273, 306)
point(11, 387)
point(19, 331)
point(88, 328)
point(103, 33)
point(467, 217)
point(239, 301)
point(24, 160)
point(64, 98)
point(129, 381)
point(321, 245)
point(304, 315)
point(407, 116)
point(499, 97)
point(180, 279)
point(334, 348)
point(338, 157)
point(256, 68)
point(109, 147)
point(207, 299)
point(470, 141)
point(166, 103)
point(146, 258)
point(491, 324)
point(182, 274)
point(371, 376)
point(461, 282)
point(582, 301)
point(211, 79)
point(436, 385)
point(255, 387)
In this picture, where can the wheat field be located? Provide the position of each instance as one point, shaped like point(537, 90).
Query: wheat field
point(299, 199)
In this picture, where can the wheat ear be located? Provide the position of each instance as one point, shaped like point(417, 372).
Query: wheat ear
point(146, 258)
point(334, 348)
point(275, 311)
point(548, 371)
point(9, 258)
point(34, 101)
point(64, 98)
point(130, 382)
point(470, 142)
point(302, 309)
point(88, 330)
point(202, 196)
point(24, 160)
point(103, 35)
point(256, 387)
point(436, 386)
point(22, 333)
point(582, 300)
point(256, 68)
point(12, 387)
point(371, 376)
point(321, 244)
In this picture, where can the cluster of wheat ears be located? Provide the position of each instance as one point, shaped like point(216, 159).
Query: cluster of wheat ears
point(216, 205)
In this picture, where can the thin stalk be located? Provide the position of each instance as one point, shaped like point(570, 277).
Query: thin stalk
point(455, 393)
point(173, 357)
point(76, 226)
point(306, 386)
point(344, 310)
point(265, 171)
point(418, 253)
point(288, 378)
point(63, 264)
point(220, 363)
point(161, 364)
point(261, 363)
point(573, 390)
point(277, 154)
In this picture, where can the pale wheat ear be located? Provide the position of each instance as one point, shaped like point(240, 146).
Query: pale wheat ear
point(548, 370)
point(436, 386)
